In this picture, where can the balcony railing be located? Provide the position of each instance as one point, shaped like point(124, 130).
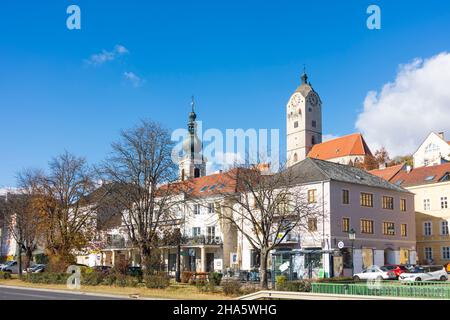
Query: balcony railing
point(202, 240)
point(118, 244)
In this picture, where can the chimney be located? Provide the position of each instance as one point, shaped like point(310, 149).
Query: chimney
point(441, 134)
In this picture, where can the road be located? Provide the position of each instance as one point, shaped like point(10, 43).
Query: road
point(15, 293)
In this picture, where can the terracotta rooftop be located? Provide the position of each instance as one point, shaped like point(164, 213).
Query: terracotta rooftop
point(349, 145)
point(387, 173)
point(422, 175)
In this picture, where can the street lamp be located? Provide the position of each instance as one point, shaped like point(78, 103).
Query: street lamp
point(352, 236)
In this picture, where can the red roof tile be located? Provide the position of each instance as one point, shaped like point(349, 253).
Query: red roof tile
point(349, 145)
point(387, 173)
point(421, 176)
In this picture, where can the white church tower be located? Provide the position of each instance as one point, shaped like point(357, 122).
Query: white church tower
point(304, 122)
point(192, 164)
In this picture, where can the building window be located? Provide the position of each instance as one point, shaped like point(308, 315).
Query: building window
point(388, 228)
point(296, 124)
point(312, 197)
point(388, 203)
point(210, 207)
point(255, 259)
point(366, 199)
point(345, 224)
point(432, 148)
point(312, 224)
point(427, 228)
point(426, 204)
point(211, 233)
point(366, 226)
point(404, 230)
point(446, 253)
point(402, 204)
point(196, 173)
point(345, 196)
point(444, 228)
point(444, 203)
point(295, 157)
point(196, 209)
point(313, 140)
point(196, 232)
point(314, 124)
point(428, 253)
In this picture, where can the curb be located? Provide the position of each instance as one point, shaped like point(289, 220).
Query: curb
point(116, 296)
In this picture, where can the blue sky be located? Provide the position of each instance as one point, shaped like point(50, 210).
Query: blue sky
point(241, 60)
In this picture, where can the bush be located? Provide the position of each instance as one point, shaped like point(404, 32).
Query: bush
point(295, 286)
point(5, 275)
point(156, 281)
point(186, 276)
point(280, 281)
point(121, 280)
point(215, 278)
point(336, 280)
point(232, 288)
point(249, 288)
point(110, 279)
point(47, 278)
point(92, 278)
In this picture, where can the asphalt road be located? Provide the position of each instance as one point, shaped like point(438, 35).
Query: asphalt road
point(35, 294)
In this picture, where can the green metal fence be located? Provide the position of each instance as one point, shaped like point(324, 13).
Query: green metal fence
point(430, 290)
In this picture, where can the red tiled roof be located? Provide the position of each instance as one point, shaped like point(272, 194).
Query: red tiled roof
point(349, 145)
point(219, 183)
point(387, 173)
point(421, 176)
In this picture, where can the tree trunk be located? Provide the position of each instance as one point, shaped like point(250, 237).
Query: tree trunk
point(19, 262)
point(29, 253)
point(178, 266)
point(263, 270)
point(146, 259)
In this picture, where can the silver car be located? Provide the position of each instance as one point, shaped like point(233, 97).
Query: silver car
point(425, 273)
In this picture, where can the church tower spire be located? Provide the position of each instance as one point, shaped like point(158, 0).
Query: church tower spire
point(303, 121)
point(192, 164)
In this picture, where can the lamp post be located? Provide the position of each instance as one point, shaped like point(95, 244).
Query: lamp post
point(352, 236)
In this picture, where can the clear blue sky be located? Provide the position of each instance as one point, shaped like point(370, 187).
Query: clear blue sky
point(241, 59)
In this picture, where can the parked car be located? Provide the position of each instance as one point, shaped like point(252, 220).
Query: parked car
point(396, 268)
point(11, 267)
point(425, 273)
point(410, 267)
point(375, 273)
point(37, 268)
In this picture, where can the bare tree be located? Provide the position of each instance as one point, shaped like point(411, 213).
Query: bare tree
point(22, 216)
point(64, 202)
point(135, 172)
point(266, 207)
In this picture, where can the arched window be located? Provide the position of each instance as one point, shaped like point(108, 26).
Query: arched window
point(295, 157)
point(196, 173)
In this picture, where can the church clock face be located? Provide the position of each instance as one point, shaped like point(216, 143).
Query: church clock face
point(313, 99)
point(295, 100)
